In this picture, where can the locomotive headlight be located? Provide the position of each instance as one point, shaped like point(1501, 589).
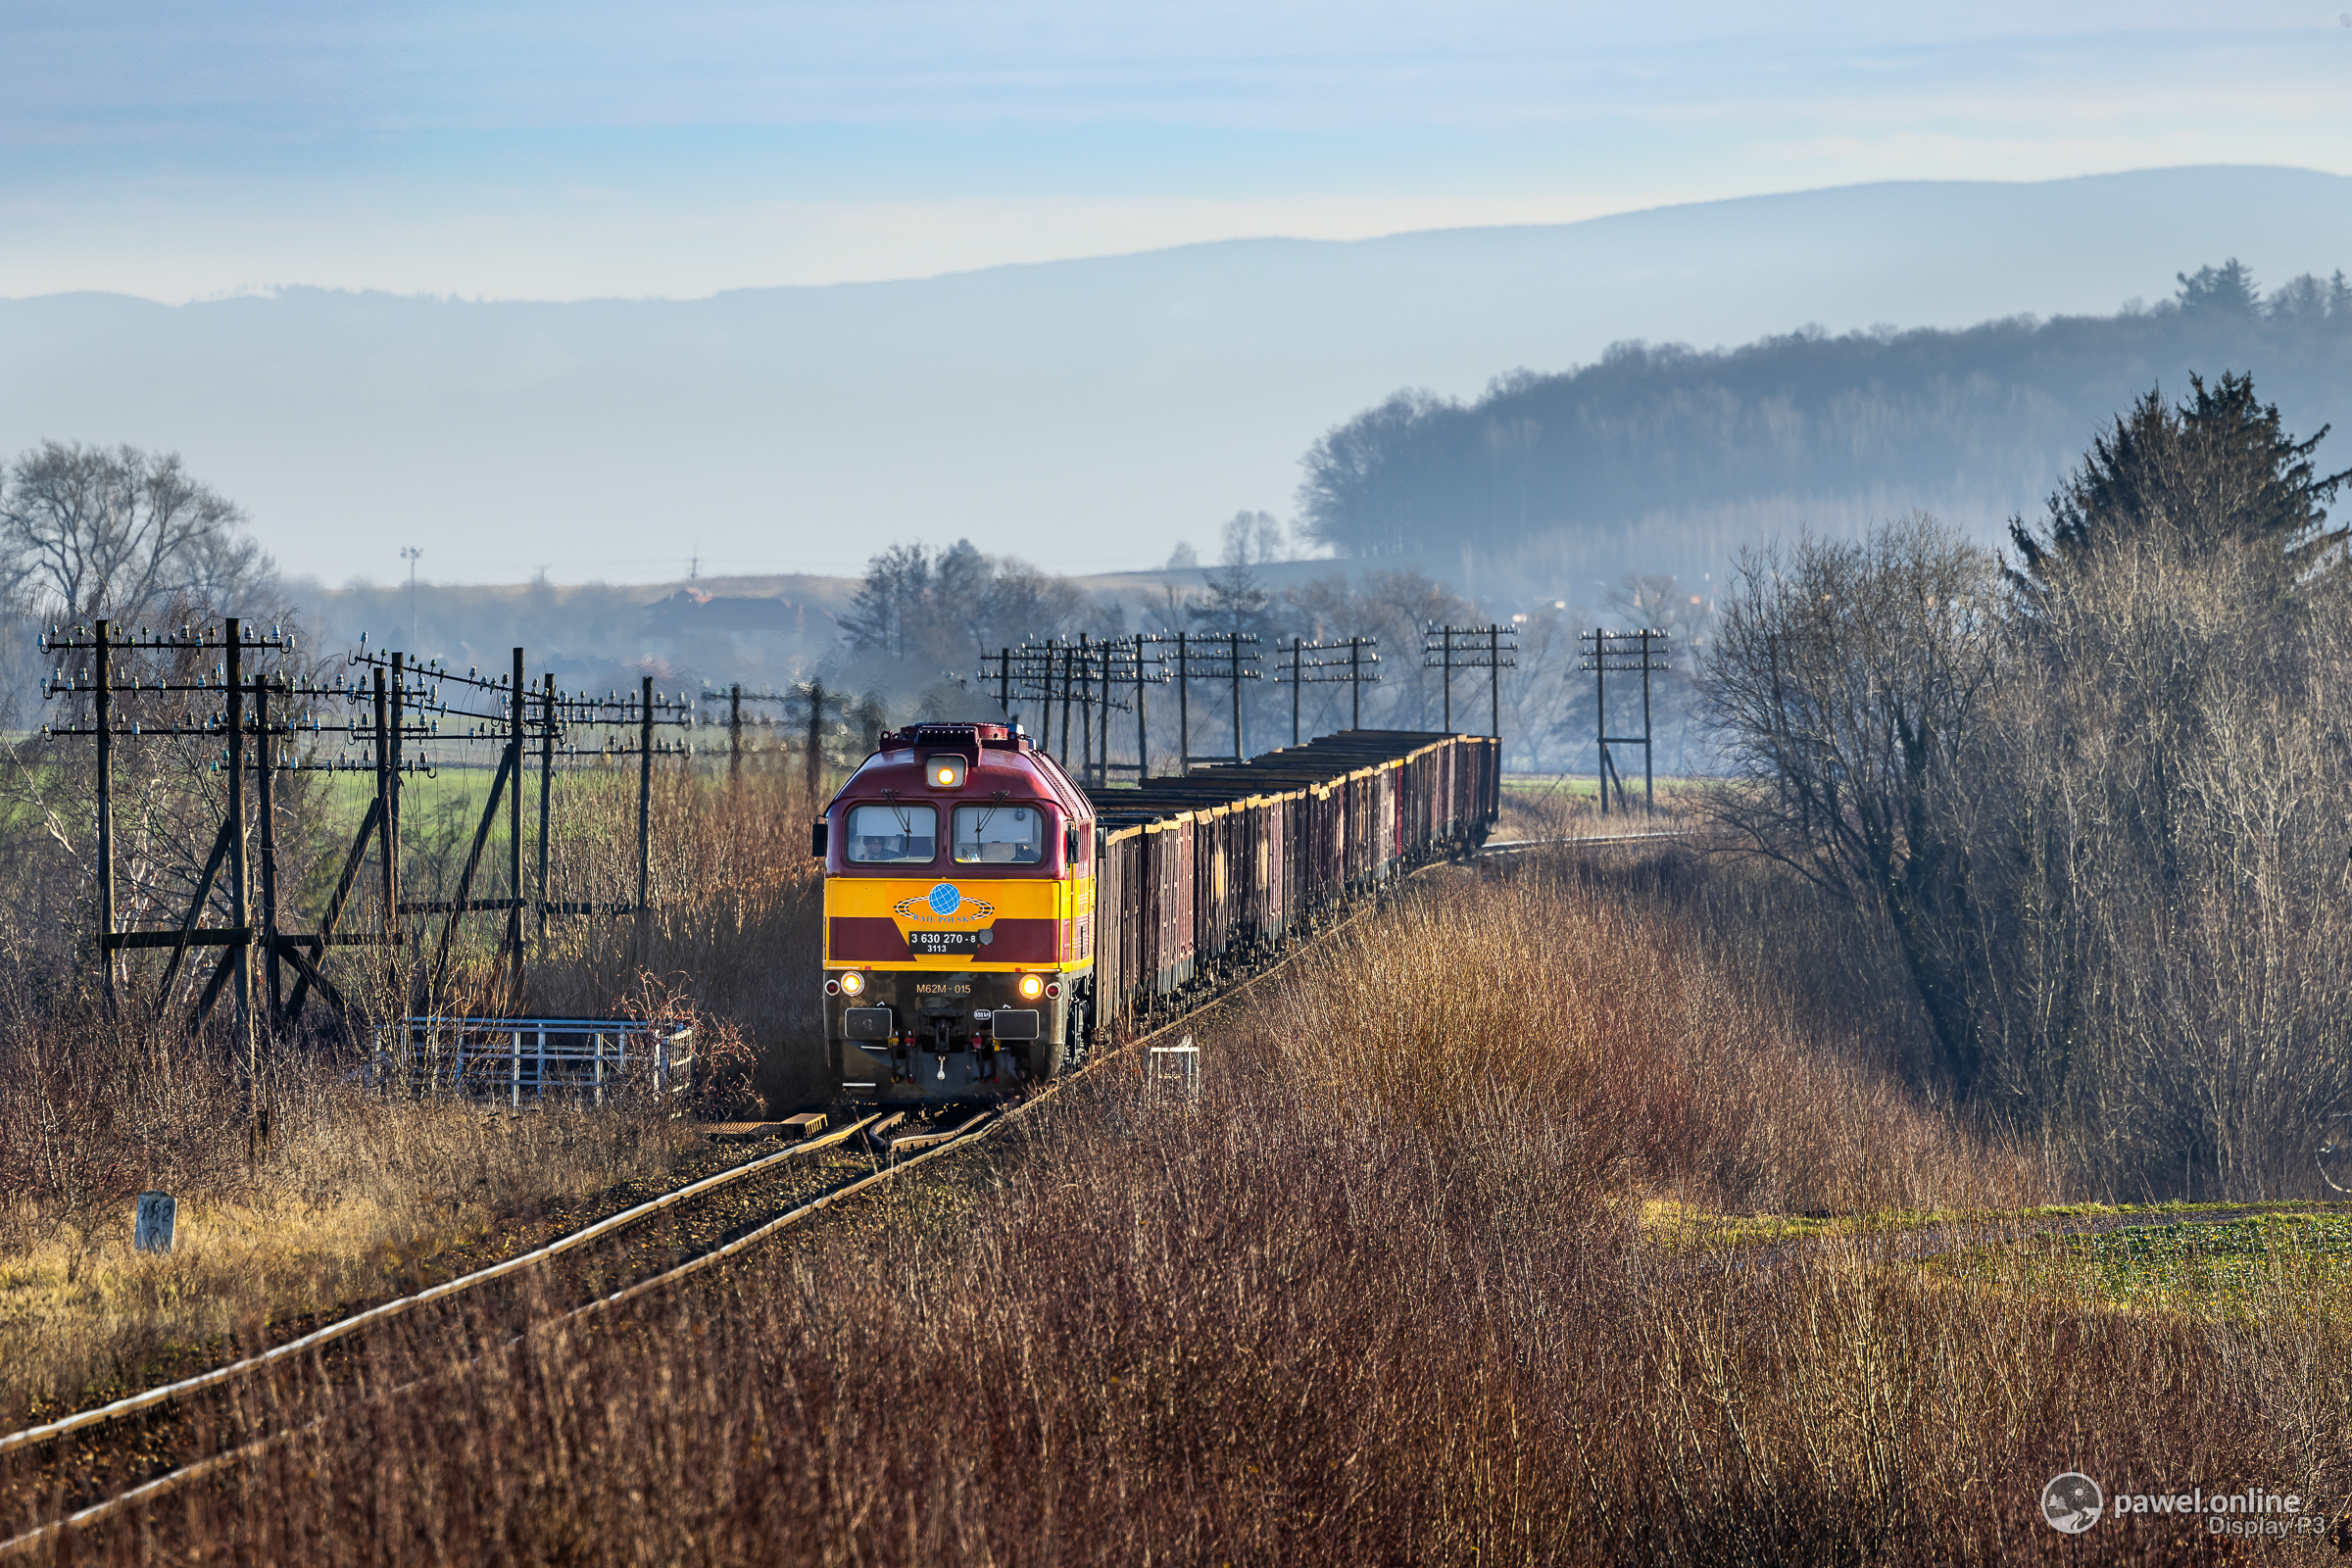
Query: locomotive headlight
point(945, 772)
point(853, 984)
point(1033, 986)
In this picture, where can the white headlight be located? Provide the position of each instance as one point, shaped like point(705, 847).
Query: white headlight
point(852, 984)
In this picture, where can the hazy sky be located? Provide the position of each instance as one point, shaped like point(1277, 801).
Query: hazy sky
point(528, 149)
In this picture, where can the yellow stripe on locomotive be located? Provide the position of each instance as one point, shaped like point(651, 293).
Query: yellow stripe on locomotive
point(1027, 924)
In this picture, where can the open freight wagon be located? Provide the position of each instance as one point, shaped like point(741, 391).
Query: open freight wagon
point(1197, 871)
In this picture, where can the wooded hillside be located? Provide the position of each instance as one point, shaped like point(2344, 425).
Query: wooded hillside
point(1973, 423)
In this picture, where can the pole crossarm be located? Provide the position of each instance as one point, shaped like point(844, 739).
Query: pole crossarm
point(1626, 652)
point(1490, 647)
point(1328, 663)
point(1214, 655)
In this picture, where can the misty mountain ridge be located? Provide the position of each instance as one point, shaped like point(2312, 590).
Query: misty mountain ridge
point(1085, 415)
point(1548, 490)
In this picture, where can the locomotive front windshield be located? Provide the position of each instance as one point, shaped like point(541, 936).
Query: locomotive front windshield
point(891, 835)
point(1002, 835)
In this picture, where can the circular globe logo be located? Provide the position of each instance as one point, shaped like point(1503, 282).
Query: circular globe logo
point(945, 900)
point(2072, 1502)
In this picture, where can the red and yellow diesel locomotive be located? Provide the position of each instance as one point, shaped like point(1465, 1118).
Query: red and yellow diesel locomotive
point(959, 914)
point(985, 916)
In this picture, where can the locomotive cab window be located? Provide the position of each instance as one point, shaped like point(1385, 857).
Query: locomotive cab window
point(1000, 835)
point(890, 835)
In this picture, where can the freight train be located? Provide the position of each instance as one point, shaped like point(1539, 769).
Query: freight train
point(985, 917)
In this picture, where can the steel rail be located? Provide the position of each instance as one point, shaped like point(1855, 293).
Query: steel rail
point(341, 1327)
point(1573, 841)
point(969, 1134)
point(198, 1470)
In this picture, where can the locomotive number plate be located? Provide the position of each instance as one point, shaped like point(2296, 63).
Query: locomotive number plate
point(933, 944)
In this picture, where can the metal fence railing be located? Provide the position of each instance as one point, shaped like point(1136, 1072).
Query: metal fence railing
point(516, 1057)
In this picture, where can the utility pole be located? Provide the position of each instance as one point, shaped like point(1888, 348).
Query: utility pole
point(1184, 710)
point(1457, 648)
point(239, 870)
point(546, 784)
point(517, 695)
point(1143, 739)
point(1086, 711)
point(1453, 647)
point(1449, 678)
point(735, 734)
point(264, 811)
point(1296, 642)
point(398, 697)
point(1495, 685)
point(645, 786)
point(813, 691)
point(1624, 653)
point(1066, 672)
point(106, 816)
point(1233, 645)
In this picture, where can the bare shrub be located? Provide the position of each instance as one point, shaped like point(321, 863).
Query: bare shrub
point(2098, 813)
point(1288, 1324)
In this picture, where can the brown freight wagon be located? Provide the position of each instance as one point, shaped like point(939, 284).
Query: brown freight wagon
point(1195, 872)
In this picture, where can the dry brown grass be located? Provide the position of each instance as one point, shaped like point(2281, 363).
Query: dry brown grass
point(1378, 1298)
point(352, 1199)
point(1598, 994)
point(351, 1196)
point(733, 935)
point(1570, 808)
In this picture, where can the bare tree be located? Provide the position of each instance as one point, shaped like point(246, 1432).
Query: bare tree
point(1252, 539)
point(1842, 685)
point(121, 532)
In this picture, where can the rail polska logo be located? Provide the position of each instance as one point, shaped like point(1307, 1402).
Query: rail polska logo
point(945, 902)
point(2072, 1502)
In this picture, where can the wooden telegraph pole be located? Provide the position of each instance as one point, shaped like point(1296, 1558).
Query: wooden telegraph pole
point(1453, 648)
point(1624, 653)
point(104, 699)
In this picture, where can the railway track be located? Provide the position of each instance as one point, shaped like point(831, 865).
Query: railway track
point(1578, 841)
point(91, 1450)
point(901, 1156)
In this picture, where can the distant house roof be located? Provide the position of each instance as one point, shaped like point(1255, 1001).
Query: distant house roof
point(690, 610)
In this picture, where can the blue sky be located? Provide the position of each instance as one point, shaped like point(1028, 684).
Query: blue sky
point(540, 151)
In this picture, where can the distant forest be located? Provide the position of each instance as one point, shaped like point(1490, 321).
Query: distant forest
point(1976, 422)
